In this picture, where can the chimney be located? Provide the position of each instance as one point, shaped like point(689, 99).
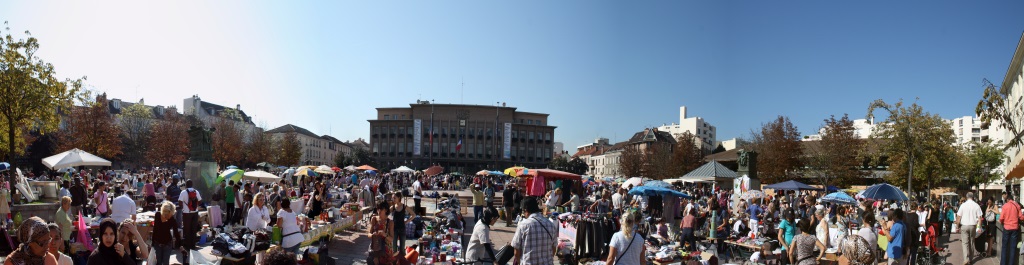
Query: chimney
point(503, 104)
point(238, 106)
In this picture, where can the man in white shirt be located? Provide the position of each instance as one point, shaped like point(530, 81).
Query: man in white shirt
point(124, 208)
point(417, 190)
point(190, 201)
point(967, 218)
point(617, 202)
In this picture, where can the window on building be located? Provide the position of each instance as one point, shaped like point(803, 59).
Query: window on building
point(530, 122)
point(403, 116)
point(547, 136)
point(386, 117)
point(530, 134)
point(376, 147)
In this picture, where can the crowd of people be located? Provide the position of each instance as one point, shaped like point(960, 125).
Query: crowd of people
point(111, 196)
point(797, 222)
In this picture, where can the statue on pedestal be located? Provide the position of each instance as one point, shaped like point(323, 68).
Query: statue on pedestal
point(200, 142)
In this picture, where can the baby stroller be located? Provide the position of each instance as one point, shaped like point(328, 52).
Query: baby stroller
point(930, 252)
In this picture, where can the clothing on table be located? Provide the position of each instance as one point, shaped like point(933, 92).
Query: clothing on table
point(215, 216)
point(592, 234)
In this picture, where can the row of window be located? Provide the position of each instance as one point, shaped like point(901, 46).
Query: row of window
point(444, 132)
point(521, 121)
point(479, 149)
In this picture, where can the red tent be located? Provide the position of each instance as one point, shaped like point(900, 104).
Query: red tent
point(554, 174)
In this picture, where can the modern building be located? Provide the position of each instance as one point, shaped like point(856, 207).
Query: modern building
point(316, 149)
point(967, 129)
point(696, 126)
point(862, 128)
point(460, 138)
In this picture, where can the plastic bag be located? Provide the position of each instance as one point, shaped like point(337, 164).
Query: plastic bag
point(83, 233)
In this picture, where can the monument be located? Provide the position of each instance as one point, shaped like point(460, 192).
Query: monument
point(200, 167)
point(747, 162)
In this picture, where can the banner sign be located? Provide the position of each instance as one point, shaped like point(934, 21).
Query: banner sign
point(417, 136)
point(507, 141)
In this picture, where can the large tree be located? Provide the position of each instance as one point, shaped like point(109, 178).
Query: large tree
point(835, 159)
point(631, 162)
point(91, 128)
point(259, 148)
point(171, 146)
point(559, 163)
point(919, 145)
point(228, 141)
point(136, 127)
point(687, 155)
point(657, 161)
point(778, 147)
point(982, 159)
point(576, 166)
point(31, 95)
point(289, 150)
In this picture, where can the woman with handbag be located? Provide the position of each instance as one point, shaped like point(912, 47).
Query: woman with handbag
point(287, 220)
point(627, 244)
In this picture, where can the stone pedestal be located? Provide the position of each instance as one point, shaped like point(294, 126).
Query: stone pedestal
point(203, 175)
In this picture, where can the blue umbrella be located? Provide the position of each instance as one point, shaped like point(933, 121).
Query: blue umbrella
point(496, 173)
point(839, 197)
point(4, 166)
point(232, 167)
point(657, 183)
point(885, 191)
point(371, 172)
point(790, 185)
point(657, 191)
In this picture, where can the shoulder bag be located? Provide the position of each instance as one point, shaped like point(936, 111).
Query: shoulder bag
point(627, 248)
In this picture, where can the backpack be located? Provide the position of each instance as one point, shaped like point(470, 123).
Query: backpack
point(193, 202)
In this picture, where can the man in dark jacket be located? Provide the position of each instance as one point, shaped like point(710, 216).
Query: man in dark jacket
point(508, 197)
point(911, 220)
point(78, 197)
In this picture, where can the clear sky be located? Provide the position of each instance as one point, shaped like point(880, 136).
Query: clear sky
point(600, 68)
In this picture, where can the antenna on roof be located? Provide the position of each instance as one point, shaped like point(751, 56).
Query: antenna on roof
point(462, 95)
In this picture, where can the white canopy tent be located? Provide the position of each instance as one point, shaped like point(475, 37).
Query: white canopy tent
point(260, 176)
point(403, 169)
point(74, 158)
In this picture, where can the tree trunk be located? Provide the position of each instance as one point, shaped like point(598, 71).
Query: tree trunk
point(11, 142)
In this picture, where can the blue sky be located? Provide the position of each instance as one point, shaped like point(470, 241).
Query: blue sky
point(600, 68)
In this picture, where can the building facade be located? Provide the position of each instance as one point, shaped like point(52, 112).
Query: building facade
point(460, 138)
point(695, 125)
point(316, 150)
point(967, 129)
point(862, 128)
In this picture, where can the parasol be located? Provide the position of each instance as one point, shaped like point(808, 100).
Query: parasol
point(432, 171)
point(884, 191)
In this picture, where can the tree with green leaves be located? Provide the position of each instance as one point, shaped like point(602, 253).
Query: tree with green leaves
point(136, 122)
point(289, 150)
point(835, 159)
point(687, 156)
point(228, 141)
point(779, 151)
point(341, 159)
point(982, 159)
point(576, 166)
point(919, 145)
point(32, 95)
point(362, 156)
point(559, 163)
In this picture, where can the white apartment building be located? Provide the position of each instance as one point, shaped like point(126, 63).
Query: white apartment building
point(696, 126)
point(587, 151)
point(967, 129)
point(862, 128)
point(607, 164)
